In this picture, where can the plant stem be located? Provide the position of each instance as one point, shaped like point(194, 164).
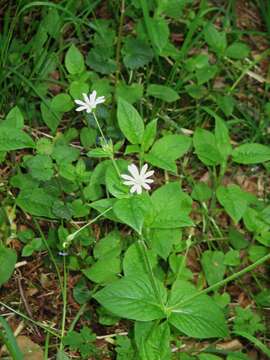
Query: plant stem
point(44, 327)
point(64, 303)
point(99, 128)
point(73, 235)
point(226, 280)
point(151, 275)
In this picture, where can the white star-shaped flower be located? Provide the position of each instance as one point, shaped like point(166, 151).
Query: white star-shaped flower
point(90, 102)
point(138, 180)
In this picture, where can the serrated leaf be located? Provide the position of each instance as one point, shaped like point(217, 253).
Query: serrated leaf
point(130, 122)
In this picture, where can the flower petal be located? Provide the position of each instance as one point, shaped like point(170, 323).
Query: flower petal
point(127, 177)
point(82, 108)
point(149, 173)
point(129, 183)
point(146, 187)
point(79, 102)
point(86, 99)
point(148, 181)
point(92, 97)
point(144, 169)
point(100, 100)
point(133, 170)
point(134, 188)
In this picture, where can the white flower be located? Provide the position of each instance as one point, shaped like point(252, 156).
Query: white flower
point(90, 102)
point(138, 180)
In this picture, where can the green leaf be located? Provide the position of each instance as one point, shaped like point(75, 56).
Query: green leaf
point(171, 207)
point(134, 262)
point(41, 167)
point(8, 259)
point(149, 135)
point(132, 210)
point(172, 8)
point(199, 317)
point(252, 153)
point(162, 240)
point(162, 92)
point(14, 119)
point(226, 104)
point(222, 138)
point(36, 202)
point(114, 183)
point(168, 149)
point(201, 192)
point(215, 39)
point(12, 138)
point(137, 53)
point(206, 147)
point(130, 122)
point(62, 103)
point(159, 33)
point(109, 245)
point(51, 119)
point(234, 200)
point(213, 266)
point(132, 298)
point(130, 93)
point(103, 270)
point(206, 73)
point(74, 61)
point(77, 88)
point(153, 340)
point(237, 51)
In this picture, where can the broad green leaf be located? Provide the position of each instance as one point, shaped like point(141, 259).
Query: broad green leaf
point(41, 167)
point(252, 153)
point(149, 135)
point(162, 92)
point(213, 266)
point(104, 205)
point(153, 340)
point(137, 53)
point(130, 93)
point(132, 210)
point(201, 192)
point(215, 39)
point(114, 183)
point(199, 317)
point(130, 122)
point(172, 8)
point(237, 51)
point(206, 147)
point(162, 240)
point(134, 262)
point(222, 138)
point(226, 104)
point(168, 149)
point(13, 119)
point(171, 207)
point(234, 200)
point(232, 258)
point(74, 61)
point(77, 88)
point(12, 138)
point(8, 258)
point(62, 103)
point(109, 245)
point(132, 298)
point(36, 202)
point(52, 120)
point(159, 33)
point(206, 73)
point(88, 137)
point(103, 270)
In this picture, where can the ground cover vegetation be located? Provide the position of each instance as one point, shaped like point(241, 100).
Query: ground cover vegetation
point(134, 162)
